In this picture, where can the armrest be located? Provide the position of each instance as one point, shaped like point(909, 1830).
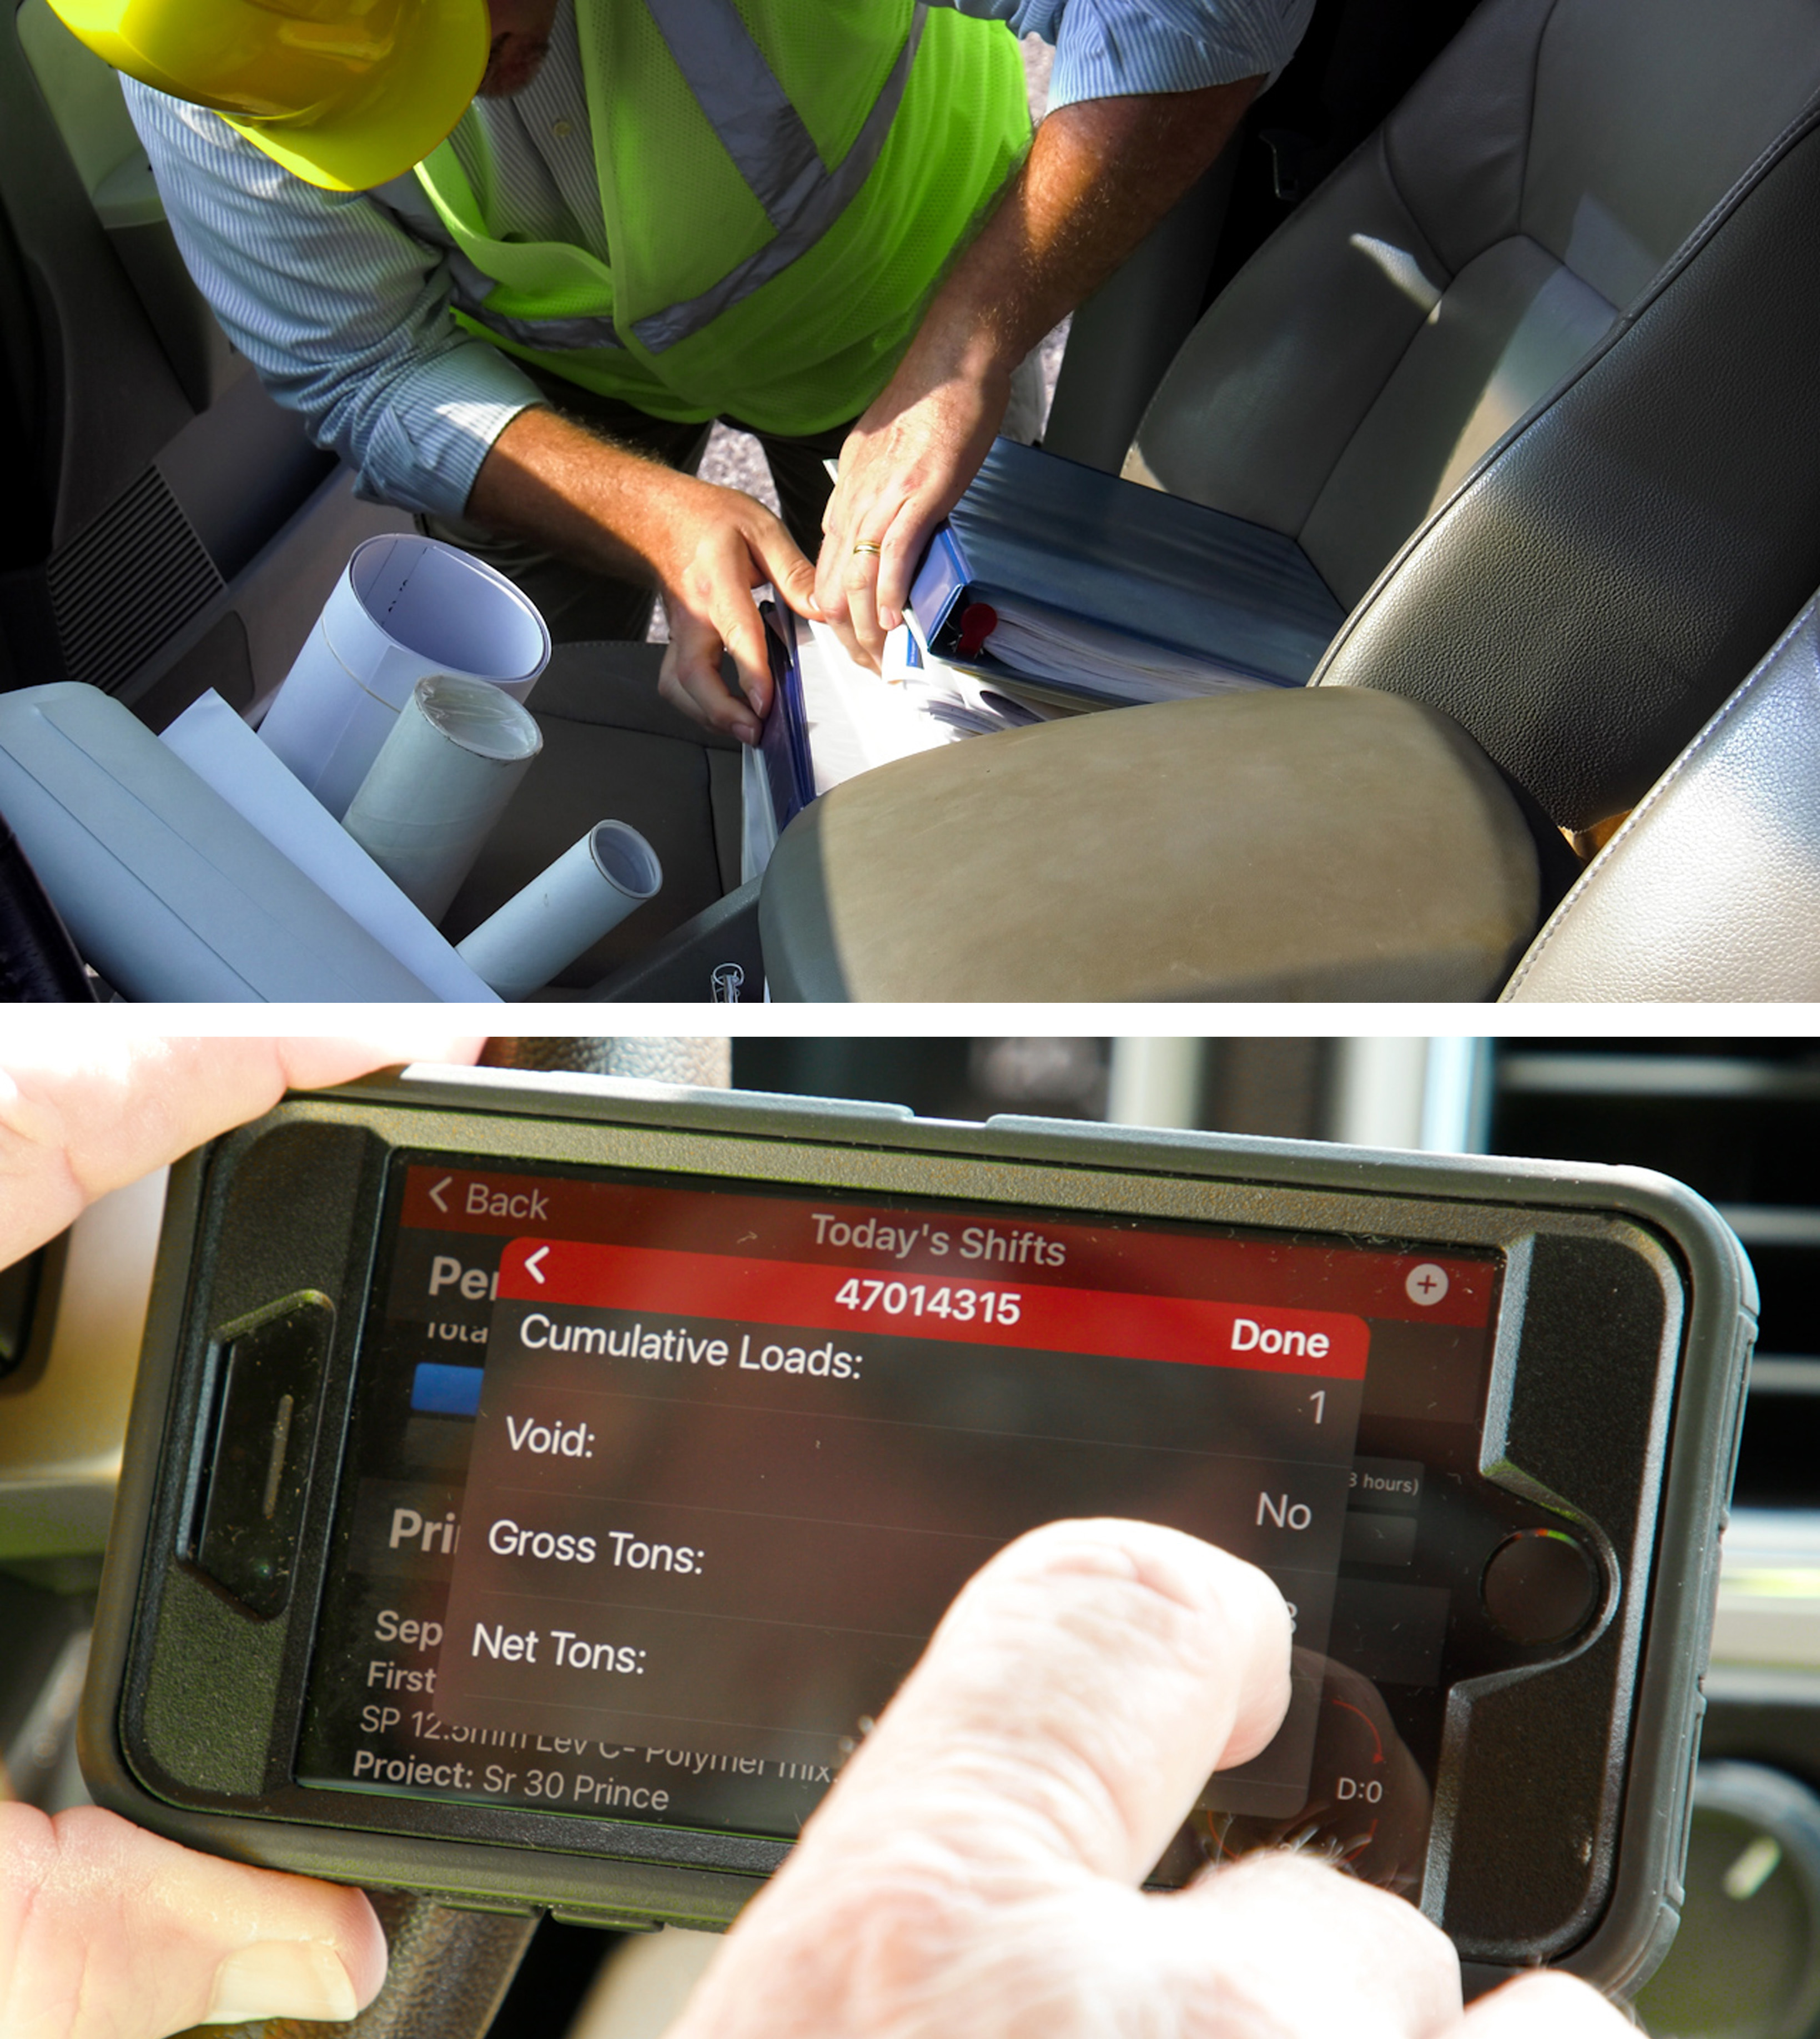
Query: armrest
point(1296, 844)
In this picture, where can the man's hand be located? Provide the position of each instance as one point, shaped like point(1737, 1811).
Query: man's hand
point(83, 1113)
point(1099, 176)
point(724, 546)
point(106, 1932)
point(706, 548)
point(973, 1874)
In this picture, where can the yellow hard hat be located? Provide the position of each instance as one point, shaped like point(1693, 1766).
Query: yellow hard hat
point(347, 94)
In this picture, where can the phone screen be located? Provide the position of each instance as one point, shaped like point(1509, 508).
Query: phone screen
point(653, 1493)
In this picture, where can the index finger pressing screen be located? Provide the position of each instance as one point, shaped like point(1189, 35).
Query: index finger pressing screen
point(733, 1450)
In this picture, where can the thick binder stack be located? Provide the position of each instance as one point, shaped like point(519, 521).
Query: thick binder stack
point(1077, 588)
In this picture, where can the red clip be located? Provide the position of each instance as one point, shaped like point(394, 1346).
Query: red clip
point(978, 621)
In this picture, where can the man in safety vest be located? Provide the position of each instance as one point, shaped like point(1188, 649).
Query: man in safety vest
point(510, 258)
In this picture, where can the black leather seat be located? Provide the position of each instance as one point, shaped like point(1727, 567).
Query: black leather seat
point(1532, 380)
point(1707, 893)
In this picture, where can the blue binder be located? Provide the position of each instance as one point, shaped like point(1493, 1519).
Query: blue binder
point(783, 741)
point(1035, 528)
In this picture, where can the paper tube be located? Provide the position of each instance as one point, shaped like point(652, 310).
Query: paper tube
point(440, 783)
point(405, 607)
point(166, 889)
point(589, 889)
point(224, 754)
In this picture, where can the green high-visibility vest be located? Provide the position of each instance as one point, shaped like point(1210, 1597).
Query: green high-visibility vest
point(784, 183)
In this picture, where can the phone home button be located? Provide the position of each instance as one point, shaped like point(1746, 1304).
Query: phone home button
point(1540, 1585)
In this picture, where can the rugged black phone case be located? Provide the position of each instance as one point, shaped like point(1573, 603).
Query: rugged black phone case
point(1570, 1852)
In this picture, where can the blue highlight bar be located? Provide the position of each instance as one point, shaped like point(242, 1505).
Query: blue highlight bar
point(437, 1390)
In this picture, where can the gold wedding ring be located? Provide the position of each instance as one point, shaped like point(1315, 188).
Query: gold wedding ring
point(866, 546)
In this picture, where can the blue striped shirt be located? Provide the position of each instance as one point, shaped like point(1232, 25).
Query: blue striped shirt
point(342, 301)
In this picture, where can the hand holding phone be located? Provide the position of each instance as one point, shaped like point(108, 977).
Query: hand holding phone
point(80, 1116)
point(105, 1928)
point(537, 1492)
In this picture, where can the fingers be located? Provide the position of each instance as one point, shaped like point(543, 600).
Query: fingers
point(972, 1873)
point(1030, 1769)
point(843, 628)
point(852, 572)
point(904, 466)
point(1072, 1702)
point(785, 566)
point(690, 678)
point(734, 544)
point(1546, 2004)
point(308, 1063)
point(106, 1932)
point(861, 531)
point(876, 576)
point(1288, 1942)
point(871, 554)
point(78, 1118)
point(905, 542)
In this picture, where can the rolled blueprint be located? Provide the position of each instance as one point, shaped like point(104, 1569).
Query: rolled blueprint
point(166, 889)
point(589, 889)
point(405, 608)
point(440, 783)
point(220, 748)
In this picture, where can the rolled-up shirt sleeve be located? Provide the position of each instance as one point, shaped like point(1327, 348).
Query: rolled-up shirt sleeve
point(344, 315)
point(1106, 49)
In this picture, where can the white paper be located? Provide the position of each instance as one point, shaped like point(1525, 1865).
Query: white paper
point(448, 612)
point(860, 719)
point(222, 751)
point(758, 817)
point(1048, 644)
point(857, 720)
point(964, 702)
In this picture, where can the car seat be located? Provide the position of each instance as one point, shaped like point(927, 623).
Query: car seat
point(613, 749)
point(1531, 381)
point(1707, 891)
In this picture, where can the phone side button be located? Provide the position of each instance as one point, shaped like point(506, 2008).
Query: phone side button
point(1540, 1586)
point(263, 1439)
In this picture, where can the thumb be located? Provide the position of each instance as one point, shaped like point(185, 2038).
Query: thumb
point(1073, 1701)
point(80, 1114)
point(1052, 1738)
point(108, 1932)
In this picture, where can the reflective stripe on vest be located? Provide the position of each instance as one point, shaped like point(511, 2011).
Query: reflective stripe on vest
point(765, 139)
point(752, 118)
point(707, 306)
point(816, 196)
point(556, 335)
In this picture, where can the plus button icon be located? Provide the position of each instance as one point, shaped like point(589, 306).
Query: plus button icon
point(1426, 1284)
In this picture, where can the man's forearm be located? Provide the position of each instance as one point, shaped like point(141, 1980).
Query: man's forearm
point(583, 498)
point(1100, 175)
point(706, 548)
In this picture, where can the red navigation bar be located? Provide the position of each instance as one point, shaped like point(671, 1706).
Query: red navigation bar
point(810, 1297)
point(927, 1242)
